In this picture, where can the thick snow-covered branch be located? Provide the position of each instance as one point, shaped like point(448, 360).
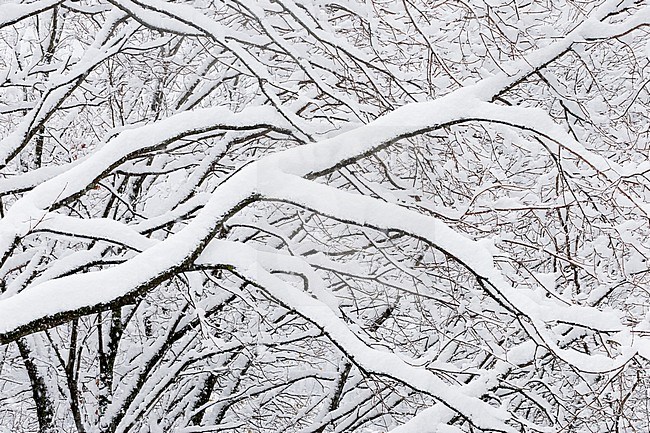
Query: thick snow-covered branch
point(396, 216)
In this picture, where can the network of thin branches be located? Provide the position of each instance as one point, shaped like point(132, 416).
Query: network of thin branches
point(324, 216)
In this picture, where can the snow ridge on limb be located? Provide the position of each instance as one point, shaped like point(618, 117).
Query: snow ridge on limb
point(256, 267)
point(187, 334)
point(61, 86)
point(475, 350)
point(365, 211)
point(11, 13)
point(34, 205)
point(309, 160)
point(306, 160)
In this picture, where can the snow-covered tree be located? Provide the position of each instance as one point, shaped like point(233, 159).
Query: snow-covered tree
point(324, 216)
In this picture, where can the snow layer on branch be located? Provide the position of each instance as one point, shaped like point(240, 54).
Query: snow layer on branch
point(10, 13)
point(365, 211)
point(245, 261)
point(23, 215)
